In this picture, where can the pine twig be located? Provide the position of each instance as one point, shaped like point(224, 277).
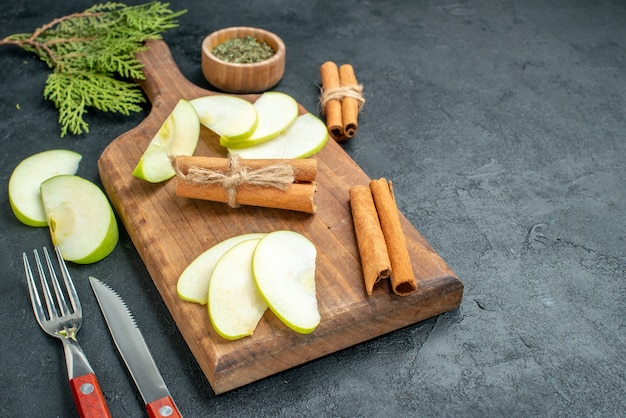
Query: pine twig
point(93, 58)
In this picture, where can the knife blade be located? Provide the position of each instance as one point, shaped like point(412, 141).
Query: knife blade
point(134, 351)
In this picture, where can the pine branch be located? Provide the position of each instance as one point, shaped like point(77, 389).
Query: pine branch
point(89, 52)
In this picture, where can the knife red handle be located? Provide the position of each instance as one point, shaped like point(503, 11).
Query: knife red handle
point(88, 396)
point(164, 407)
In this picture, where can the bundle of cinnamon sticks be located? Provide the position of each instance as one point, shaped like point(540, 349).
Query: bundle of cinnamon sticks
point(381, 241)
point(282, 183)
point(341, 100)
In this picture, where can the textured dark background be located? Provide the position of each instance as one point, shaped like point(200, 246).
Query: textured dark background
point(502, 126)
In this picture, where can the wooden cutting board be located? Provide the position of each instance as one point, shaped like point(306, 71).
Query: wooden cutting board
point(170, 231)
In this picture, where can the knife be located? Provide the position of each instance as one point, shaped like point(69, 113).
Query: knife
point(134, 351)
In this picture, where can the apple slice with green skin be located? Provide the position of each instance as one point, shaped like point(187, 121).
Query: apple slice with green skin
point(178, 135)
point(275, 112)
point(306, 136)
point(26, 179)
point(234, 302)
point(193, 283)
point(80, 218)
point(284, 271)
point(230, 117)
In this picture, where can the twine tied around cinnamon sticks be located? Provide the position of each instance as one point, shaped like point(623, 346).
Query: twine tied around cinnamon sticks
point(279, 176)
point(341, 100)
point(273, 183)
point(342, 92)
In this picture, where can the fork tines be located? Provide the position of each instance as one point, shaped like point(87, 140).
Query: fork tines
point(57, 307)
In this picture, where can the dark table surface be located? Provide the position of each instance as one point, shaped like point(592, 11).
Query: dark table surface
point(502, 125)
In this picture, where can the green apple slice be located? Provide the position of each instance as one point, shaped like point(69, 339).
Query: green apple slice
point(234, 302)
point(80, 218)
point(275, 112)
point(193, 283)
point(284, 271)
point(26, 179)
point(178, 135)
point(306, 136)
point(230, 117)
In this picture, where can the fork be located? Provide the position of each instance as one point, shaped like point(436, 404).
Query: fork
point(59, 320)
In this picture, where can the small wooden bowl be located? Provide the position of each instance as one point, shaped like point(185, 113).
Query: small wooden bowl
point(243, 78)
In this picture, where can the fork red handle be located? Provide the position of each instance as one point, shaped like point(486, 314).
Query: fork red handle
point(88, 396)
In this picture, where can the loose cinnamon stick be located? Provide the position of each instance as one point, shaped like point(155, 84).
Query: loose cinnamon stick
point(196, 175)
point(402, 278)
point(329, 75)
point(370, 239)
point(349, 105)
point(304, 169)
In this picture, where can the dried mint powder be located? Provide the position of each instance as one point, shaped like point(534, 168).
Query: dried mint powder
point(243, 50)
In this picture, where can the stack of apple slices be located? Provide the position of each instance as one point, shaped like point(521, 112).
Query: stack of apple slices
point(241, 277)
point(269, 128)
point(304, 137)
point(275, 112)
point(44, 190)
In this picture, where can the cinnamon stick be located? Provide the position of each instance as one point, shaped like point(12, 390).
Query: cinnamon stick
point(370, 239)
point(298, 196)
point(329, 75)
point(349, 104)
point(281, 184)
point(402, 278)
point(304, 169)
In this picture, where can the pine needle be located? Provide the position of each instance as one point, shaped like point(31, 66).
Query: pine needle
point(93, 58)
